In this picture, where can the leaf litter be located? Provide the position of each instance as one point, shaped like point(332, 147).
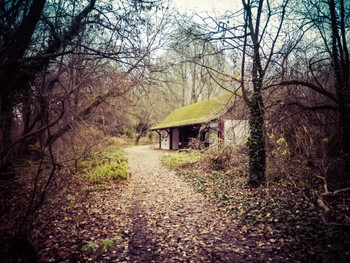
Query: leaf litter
point(159, 216)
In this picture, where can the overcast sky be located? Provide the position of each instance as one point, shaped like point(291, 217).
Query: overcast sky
point(202, 6)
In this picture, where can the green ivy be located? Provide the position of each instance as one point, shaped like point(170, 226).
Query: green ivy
point(104, 245)
point(90, 245)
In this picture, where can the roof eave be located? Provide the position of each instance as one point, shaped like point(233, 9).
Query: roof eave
point(183, 125)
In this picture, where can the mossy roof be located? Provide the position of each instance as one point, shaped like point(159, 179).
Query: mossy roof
point(200, 112)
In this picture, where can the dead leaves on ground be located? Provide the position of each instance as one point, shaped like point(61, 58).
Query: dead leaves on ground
point(279, 217)
point(158, 219)
point(89, 228)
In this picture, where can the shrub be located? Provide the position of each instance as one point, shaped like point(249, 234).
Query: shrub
point(210, 159)
point(181, 159)
point(109, 165)
point(224, 158)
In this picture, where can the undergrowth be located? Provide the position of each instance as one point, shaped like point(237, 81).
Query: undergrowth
point(210, 159)
point(283, 211)
point(181, 159)
point(105, 166)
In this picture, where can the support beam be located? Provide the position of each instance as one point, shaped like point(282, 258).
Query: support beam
point(159, 139)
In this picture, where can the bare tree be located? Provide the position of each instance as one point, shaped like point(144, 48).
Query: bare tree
point(59, 62)
point(328, 67)
point(319, 78)
point(253, 34)
point(37, 37)
point(185, 78)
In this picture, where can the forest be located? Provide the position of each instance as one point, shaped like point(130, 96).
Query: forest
point(83, 82)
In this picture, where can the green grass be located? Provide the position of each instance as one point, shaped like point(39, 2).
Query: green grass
point(181, 159)
point(106, 166)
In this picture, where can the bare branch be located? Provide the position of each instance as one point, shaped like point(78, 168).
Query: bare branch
point(313, 87)
point(314, 107)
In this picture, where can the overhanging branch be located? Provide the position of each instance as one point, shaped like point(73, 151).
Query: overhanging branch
point(306, 84)
point(314, 107)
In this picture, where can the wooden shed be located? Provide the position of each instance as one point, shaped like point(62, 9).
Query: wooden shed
point(222, 118)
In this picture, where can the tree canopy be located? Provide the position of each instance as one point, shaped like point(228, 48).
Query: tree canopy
point(77, 76)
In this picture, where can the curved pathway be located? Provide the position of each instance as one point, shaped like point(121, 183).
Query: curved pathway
point(170, 222)
point(155, 216)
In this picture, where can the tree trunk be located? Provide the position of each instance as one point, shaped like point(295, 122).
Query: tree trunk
point(6, 125)
point(341, 67)
point(142, 128)
point(137, 139)
point(257, 152)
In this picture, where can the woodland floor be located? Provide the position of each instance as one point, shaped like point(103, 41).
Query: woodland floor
point(156, 216)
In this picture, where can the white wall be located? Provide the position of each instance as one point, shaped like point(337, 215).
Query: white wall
point(236, 131)
point(164, 140)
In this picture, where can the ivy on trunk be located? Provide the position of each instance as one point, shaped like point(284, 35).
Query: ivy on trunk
point(257, 152)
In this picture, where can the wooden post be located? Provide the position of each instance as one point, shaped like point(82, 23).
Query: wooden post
point(160, 139)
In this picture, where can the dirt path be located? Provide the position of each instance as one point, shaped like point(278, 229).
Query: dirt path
point(170, 222)
point(155, 216)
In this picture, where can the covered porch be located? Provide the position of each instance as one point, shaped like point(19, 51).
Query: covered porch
point(175, 138)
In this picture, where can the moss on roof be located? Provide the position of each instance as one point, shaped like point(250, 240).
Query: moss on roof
point(200, 112)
